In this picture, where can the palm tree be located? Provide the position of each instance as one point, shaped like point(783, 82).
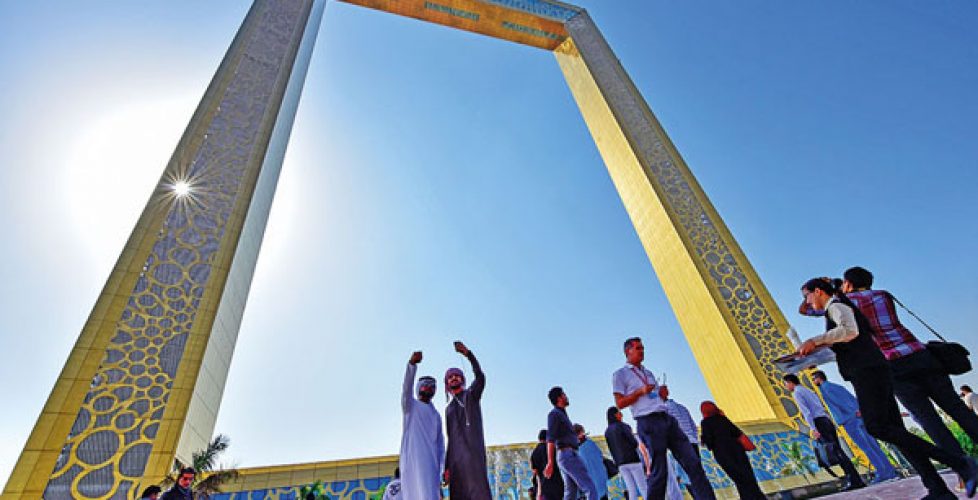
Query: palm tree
point(208, 480)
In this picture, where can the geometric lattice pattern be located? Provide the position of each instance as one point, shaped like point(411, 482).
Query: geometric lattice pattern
point(734, 327)
point(104, 436)
point(753, 319)
point(113, 434)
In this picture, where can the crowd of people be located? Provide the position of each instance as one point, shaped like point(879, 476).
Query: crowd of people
point(881, 359)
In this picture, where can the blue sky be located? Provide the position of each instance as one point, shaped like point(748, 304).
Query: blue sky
point(442, 185)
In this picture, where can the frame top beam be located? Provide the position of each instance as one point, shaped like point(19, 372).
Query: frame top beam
point(538, 23)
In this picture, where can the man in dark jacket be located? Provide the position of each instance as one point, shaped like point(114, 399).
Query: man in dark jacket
point(624, 450)
point(548, 488)
point(182, 490)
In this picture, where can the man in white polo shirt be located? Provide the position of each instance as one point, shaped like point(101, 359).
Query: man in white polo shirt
point(635, 387)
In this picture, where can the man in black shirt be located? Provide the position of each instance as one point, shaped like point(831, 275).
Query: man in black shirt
point(624, 450)
point(551, 488)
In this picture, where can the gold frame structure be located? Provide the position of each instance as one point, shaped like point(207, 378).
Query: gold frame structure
point(144, 381)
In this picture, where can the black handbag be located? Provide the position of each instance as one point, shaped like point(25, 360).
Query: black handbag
point(951, 355)
point(610, 467)
point(825, 454)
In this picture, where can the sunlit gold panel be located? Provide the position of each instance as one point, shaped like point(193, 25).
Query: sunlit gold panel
point(733, 326)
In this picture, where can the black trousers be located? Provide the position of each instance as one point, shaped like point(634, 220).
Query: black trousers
point(660, 432)
point(919, 379)
point(874, 392)
point(826, 428)
point(735, 463)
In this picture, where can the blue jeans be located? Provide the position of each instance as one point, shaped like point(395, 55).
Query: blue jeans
point(857, 431)
point(660, 432)
point(575, 475)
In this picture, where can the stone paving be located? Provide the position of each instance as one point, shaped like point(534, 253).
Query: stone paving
point(904, 489)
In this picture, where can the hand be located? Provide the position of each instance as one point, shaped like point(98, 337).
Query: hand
point(415, 357)
point(662, 391)
point(807, 347)
point(859, 414)
point(548, 471)
point(816, 434)
point(446, 476)
point(648, 471)
point(647, 388)
point(803, 308)
point(460, 348)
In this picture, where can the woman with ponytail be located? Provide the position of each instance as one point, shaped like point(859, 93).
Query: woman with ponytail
point(849, 334)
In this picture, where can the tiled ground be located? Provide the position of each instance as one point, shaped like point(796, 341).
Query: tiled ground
point(904, 489)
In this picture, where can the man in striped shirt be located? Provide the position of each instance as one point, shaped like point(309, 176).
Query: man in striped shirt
point(681, 414)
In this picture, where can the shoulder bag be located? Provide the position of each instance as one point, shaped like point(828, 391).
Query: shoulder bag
point(952, 355)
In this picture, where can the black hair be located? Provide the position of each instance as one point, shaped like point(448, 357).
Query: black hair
point(554, 394)
point(397, 472)
point(828, 285)
point(151, 490)
point(630, 341)
point(187, 470)
point(612, 414)
point(820, 374)
point(578, 428)
point(966, 388)
point(791, 377)
point(542, 435)
point(859, 277)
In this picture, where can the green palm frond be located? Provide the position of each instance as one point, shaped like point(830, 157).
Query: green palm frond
point(212, 483)
point(205, 459)
point(208, 480)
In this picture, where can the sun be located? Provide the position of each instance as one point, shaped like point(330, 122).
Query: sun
point(113, 166)
point(181, 188)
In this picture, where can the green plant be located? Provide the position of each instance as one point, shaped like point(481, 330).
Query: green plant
point(209, 477)
point(917, 431)
point(798, 461)
point(967, 444)
point(315, 489)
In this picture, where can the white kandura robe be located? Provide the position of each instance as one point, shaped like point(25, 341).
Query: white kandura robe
point(422, 457)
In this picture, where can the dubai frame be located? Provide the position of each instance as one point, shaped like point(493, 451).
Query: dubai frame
point(144, 381)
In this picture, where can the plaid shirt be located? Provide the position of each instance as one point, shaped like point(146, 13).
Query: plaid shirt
point(894, 339)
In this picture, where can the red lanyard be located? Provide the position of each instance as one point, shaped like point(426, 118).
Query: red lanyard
point(641, 375)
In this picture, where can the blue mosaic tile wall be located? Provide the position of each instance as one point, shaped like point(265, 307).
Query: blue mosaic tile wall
point(510, 475)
